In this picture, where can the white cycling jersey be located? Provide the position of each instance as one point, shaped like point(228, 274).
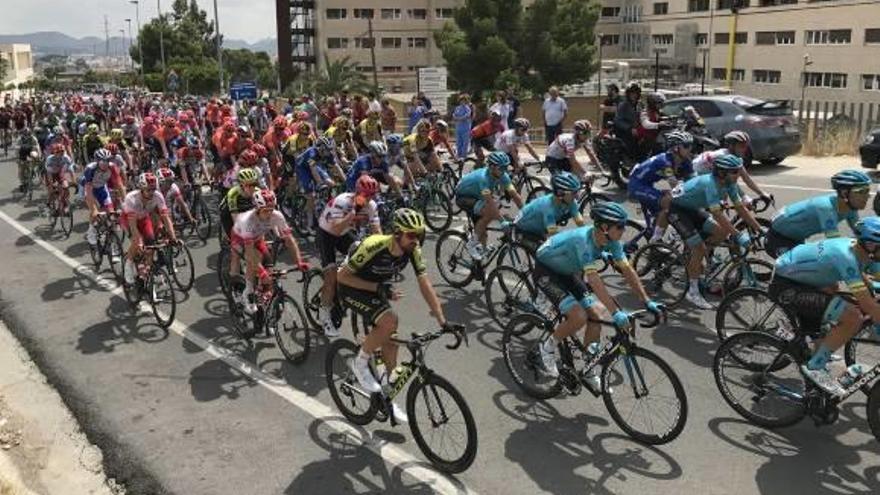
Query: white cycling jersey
point(508, 141)
point(135, 206)
point(336, 219)
point(249, 226)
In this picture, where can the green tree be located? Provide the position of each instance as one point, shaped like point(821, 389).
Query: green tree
point(333, 77)
point(244, 65)
point(4, 68)
point(187, 34)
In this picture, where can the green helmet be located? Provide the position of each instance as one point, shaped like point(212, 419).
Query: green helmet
point(248, 176)
point(408, 220)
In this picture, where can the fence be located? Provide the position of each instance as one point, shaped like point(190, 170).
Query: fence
point(833, 127)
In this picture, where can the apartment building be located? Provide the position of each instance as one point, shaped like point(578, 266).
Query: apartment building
point(19, 67)
point(402, 31)
point(831, 46)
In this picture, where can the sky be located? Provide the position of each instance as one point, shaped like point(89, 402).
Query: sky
point(250, 20)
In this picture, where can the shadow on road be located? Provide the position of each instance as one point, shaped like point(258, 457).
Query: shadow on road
point(122, 326)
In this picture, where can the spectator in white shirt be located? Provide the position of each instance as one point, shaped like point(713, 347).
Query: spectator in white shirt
point(554, 109)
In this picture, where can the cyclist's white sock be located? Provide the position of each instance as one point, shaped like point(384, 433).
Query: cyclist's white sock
point(362, 356)
point(658, 233)
point(694, 286)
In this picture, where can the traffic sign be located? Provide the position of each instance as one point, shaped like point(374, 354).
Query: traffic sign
point(243, 91)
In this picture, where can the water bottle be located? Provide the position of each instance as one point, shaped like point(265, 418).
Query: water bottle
point(852, 374)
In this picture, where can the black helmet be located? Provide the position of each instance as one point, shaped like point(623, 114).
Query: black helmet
point(633, 87)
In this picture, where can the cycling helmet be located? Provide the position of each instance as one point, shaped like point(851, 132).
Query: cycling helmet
point(248, 157)
point(655, 99)
point(378, 148)
point(166, 174)
point(147, 180)
point(522, 123)
point(367, 186)
point(565, 182)
point(264, 198)
point(394, 141)
point(679, 138)
point(113, 148)
point(423, 124)
point(346, 114)
point(92, 128)
point(192, 142)
point(148, 120)
point(128, 119)
point(441, 124)
point(169, 121)
point(228, 126)
point(408, 220)
point(608, 212)
point(868, 230)
point(260, 150)
point(243, 129)
point(57, 148)
point(728, 161)
point(734, 137)
point(102, 155)
point(279, 122)
point(324, 143)
point(248, 176)
point(633, 87)
point(498, 159)
point(849, 179)
point(116, 134)
point(494, 114)
point(582, 126)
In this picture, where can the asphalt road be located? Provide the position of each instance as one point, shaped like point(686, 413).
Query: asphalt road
point(195, 410)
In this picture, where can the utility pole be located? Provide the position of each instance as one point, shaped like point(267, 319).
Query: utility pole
point(219, 46)
point(161, 36)
point(106, 38)
point(373, 52)
point(122, 31)
point(137, 14)
point(130, 41)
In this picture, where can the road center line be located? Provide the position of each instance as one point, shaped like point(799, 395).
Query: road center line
point(796, 188)
point(392, 454)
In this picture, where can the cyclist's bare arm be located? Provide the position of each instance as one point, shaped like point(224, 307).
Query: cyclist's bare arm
point(346, 277)
point(430, 297)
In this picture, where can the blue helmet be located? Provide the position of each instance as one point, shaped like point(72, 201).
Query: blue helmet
point(868, 230)
point(394, 141)
point(608, 212)
point(849, 179)
point(499, 159)
point(565, 182)
point(728, 161)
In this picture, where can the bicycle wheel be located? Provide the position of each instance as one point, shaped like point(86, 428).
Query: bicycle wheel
point(521, 348)
point(311, 296)
point(133, 293)
point(453, 260)
point(442, 423)
point(509, 292)
point(748, 375)
point(204, 223)
point(872, 410)
point(662, 272)
point(751, 310)
point(65, 219)
point(160, 293)
point(115, 255)
point(291, 331)
point(357, 406)
point(182, 267)
point(530, 184)
point(517, 256)
point(746, 273)
point(437, 210)
point(644, 396)
point(537, 192)
point(96, 250)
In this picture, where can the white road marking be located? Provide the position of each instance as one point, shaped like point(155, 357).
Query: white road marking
point(392, 454)
point(796, 188)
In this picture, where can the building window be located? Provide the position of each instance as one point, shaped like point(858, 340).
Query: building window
point(662, 39)
point(729, 4)
point(701, 39)
point(760, 76)
point(363, 42)
point(420, 14)
point(414, 68)
point(334, 14)
point(337, 43)
point(632, 42)
point(444, 13)
point(392, 68)
point(389, 14)
point(871, 82)
point(720, 74)
point(698, 72)
point(698, 5)
point(610, 11)
point(740, 38)
point(829, 37)
point(872, 35)
point(661, 8)
point(365, 68)
point(774, 3)
point(417, 42)
point(774, 38)
point(631, 14)
point(610, 39)
point(392, 42)
point(825, 80)
point(364, 14)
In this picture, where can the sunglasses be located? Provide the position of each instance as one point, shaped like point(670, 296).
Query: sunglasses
point(860, 190)
point(248, 184)
point(412, 236)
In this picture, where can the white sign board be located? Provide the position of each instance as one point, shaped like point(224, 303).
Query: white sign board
point(432, 82)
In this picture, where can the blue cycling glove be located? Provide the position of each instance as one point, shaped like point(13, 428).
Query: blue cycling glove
point(743, 239)
point(621, 318)
point(655, 307)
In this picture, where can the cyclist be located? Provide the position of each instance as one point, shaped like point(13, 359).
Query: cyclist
point(396, 156)
point(341, 135)
point(375, 164)
point(138, 209)
point(364, 287)
point(28, 149)
point(737, 143)
point(419, 150)
point(542, 216)
point(560, 154)
point(312, 167)
point(821, 214)
point(249, 232)
point(672, 166)
point(368, 130)
point(510, 140)
point(238, 199)
point(696, 214)
point(483, 135)
point(58, 173)
point(805, 282)
point(475, 195)
point(337, 231)
point(566, 271)
point(190, 160)
point(171, 192)
point(651, 123)
point(97, 179)
point(440, 137)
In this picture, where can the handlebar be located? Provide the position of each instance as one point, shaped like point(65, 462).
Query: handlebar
point(458, 330)
point(760, 204)
point(648, 319)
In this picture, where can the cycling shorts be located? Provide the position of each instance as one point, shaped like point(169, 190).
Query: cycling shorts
point(564, 291)
point(144, 227)
point(102, 196)
point(305, 178)
point(370, 305)
point(530, 241)
point(557, 164)
point(259, 243)
point(691, 223)
point(777, 244)
point(484, 143)
point(806, 303)
point(646, 195)
point(471, 206)
point(328, 245)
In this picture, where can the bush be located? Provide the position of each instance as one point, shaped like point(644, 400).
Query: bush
point(833, 140)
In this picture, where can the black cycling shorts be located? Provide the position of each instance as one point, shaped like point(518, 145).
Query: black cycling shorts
point(370, 305)
point(688, 222)
point(328, 245)
point(484, 143)
point(806, 303)
point(530, 241)
point(557, 164)
point(777, 244)
point(557, 287)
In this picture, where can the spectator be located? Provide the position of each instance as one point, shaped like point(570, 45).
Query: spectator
point(374, 105)
point(388, 117)
point(308, 106)
point(463, 115)
point(359, 109)
point(626, 119)
point(554, 110)
point(609, 104)
point(513, 103)
point(424, 100)
point(416, 112)
point(502, 107)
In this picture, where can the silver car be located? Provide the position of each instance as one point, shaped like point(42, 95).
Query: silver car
point(771, 124)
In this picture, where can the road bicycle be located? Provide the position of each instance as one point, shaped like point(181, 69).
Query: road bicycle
point(435, 408)
point(458, 268)
point(629, 374)
point(152, 281)
point(203, 225)
point(59, 211)
point(108, 243)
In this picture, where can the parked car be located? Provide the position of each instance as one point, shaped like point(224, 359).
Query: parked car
point(870, 149)
point(770, 124)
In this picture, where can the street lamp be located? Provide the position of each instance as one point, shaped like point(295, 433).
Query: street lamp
point(137, 12)
point(122, 32)
point(161, 35)
point(807, 62)
point(219, 46)
point(130, 59)
point(705, 52)
point(599, 83)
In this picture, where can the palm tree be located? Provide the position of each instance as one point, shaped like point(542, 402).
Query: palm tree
point(333, 77)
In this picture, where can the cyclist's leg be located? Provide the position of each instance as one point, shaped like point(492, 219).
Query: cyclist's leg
point(487, 212)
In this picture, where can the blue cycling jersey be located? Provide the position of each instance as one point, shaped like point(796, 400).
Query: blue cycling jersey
point(800, 220)
point(480, 182)
point(95, 176)
point(363, 165)
point(542, 215)
point(574, 251)
point(825, 264)
point(660, 167)
point(311, 155)
point(703, 192)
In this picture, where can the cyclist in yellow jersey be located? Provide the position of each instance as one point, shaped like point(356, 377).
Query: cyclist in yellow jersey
point(369, 130)
point(341, 134)
point(418, 148)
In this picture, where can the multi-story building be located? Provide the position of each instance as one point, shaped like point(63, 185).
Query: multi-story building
point(402, 34)
point(19, 67)
point(778, 46)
